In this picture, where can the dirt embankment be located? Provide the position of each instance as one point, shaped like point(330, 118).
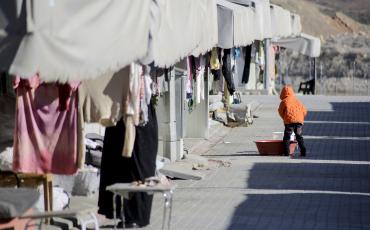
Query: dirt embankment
point(324, 18)
point(345, 34)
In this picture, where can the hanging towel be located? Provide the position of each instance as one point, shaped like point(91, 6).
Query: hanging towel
point(46, 130)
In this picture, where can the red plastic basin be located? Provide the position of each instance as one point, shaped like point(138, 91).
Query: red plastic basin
point(273, 147)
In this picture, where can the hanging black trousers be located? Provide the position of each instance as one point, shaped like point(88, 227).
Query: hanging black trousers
point(247, 64)
point(227, 72)
point(118, 169)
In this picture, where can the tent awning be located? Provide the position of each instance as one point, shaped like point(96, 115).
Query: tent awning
point(183, 28)
point(281, 22)
point(236, 26)
point(304, 44)
point(69, 40)
point(261, 20)
point(296, 24)
point(209, 28)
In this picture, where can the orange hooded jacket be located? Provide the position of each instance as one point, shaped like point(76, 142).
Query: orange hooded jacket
point(291, 109)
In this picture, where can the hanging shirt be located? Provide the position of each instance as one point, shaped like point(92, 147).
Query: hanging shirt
point(101, 99)
point(189, 79)
point(214, 62)
point(46, 135)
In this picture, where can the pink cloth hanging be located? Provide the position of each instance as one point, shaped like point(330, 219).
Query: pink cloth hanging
point(45, 138)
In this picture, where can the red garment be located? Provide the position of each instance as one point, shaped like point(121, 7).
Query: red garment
point(45, 138)
point(291, 110)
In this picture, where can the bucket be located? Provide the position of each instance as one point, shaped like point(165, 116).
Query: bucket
point(274, 147)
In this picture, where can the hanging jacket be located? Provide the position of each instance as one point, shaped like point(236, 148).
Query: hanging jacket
point(291, 110)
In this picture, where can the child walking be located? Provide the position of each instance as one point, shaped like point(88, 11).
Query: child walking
point(292, 111)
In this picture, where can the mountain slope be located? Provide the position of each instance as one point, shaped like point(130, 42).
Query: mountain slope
point(317, 21)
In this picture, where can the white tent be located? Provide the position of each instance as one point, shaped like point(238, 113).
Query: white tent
point(64, 40)
point(68, 40)
point(296, 24)
point(236, 26)
point(262, 22)
point(182, 28)
point(209, 28)
point(304, 44)
point(281, 22)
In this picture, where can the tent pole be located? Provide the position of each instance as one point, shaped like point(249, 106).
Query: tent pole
point(266, 78)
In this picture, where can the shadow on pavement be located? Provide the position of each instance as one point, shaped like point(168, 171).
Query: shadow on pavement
point(337, 149)
point(315, 195)
point(302, 211)
point(343, 112)
point(341, 134)
point(310, 176)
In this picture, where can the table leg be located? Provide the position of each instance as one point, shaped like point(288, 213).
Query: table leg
point(170, 207)
point(50, 190)
point(164, 211)
point(123, 213)
point(114, 212)
point(46, 196)
point(167, 210)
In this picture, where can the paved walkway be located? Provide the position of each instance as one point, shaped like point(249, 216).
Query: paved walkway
point(329, 189)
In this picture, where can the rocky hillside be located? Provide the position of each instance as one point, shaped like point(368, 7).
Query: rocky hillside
point(356, 9)
point(344, 29)
point(324, 18)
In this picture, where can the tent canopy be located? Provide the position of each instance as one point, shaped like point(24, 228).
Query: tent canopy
point(261, 20)
point(296, 24)
point(69, 40)
point(304, 44)
point(209, 28)
point(236, 26)
point(281, 22)
point(182, 28)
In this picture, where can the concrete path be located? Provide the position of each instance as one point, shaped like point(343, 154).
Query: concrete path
point(329, 189)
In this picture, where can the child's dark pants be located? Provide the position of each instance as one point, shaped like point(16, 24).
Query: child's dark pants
point(297, 129)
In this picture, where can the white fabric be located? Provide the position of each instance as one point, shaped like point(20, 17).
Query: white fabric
point(281, 25)
point(209, 28)
point(296, 24)
point(261, 20)
point(69, 40)
point(179, 32)
point(304, 44)
point(236, 26)
point(60, 199)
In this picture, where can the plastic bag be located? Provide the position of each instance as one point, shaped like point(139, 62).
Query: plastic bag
point(86, 182)
point(61, 199)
